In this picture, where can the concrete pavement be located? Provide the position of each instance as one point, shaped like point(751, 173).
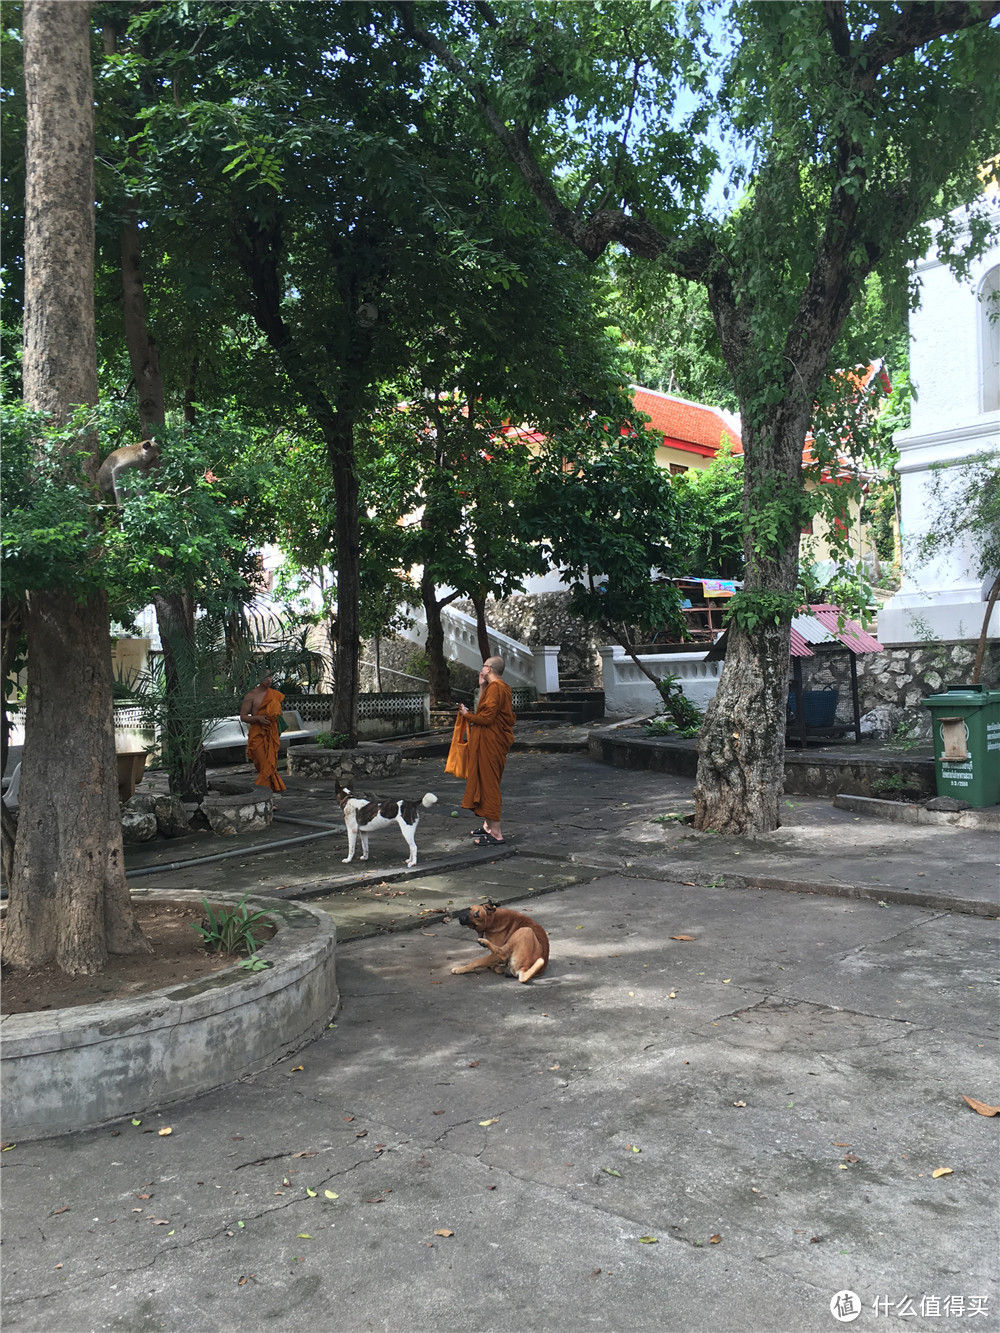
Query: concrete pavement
point(659, 1134)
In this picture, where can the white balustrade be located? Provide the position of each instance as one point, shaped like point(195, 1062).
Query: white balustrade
point(627, 691)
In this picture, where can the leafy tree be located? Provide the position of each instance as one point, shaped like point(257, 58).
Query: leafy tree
point(68, 898)
point(713, 498)
point(844, 128)
point(611, 521)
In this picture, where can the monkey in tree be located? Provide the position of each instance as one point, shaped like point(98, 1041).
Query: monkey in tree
point(144, 455)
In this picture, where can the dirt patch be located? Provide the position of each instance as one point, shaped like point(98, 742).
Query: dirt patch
point(178, 955)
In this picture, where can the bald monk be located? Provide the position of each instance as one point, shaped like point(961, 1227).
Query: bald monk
point(261, 710)
point(491, 734)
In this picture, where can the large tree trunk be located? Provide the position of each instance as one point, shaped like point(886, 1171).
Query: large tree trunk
point(68, 897)
point(339, 434)
point(741, 746)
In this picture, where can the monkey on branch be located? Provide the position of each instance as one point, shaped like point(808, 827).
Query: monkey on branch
point(144, 455)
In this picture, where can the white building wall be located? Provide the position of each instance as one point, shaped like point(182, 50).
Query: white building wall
point(953, 419)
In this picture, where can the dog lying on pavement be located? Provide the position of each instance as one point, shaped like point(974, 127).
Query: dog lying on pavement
point(364, 817)
point(516, 944)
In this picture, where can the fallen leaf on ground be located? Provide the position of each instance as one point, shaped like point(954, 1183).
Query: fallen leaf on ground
point(297, 1069)
point(57, 1211)
point(739, 1103)
point(649, 1240)
point(165, 1131)
point(329, 1194)
point(311, 1193)
point(841, 1145)
point(608, 1171)
point(683, 937)
point(981, 1108)
point(850, 1157)
point(136, 1122)
point(715, 1240)
point(144, 1196)
point(306, 1154)
point(443, 1231)
point(303, 1235)
point(494, 1121)
point(159, 1221)
point(6, 1147)
point(672, 995)
point(942, 1171)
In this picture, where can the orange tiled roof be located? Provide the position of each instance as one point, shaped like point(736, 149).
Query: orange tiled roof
point(687, 425)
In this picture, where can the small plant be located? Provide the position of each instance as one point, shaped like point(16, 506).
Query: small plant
point(336, 740)
point(254, 963)
point(233, 932)
point(681, 717)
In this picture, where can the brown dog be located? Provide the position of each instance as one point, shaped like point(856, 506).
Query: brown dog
point(515, 942)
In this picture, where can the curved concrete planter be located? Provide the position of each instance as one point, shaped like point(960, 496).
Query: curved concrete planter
point(69, 1069)
point(317, 761)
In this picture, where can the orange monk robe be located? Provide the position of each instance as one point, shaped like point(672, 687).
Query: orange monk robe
point(491, 734)
point(263, 739)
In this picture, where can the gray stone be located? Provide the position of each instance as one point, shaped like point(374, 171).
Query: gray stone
point(172, 818)
point(137, 825)
point(315, 761)
point(947, 803)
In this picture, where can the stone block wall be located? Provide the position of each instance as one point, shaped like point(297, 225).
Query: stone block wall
point(893, 683)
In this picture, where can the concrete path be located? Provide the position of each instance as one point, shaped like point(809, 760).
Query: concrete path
point(659, 1134)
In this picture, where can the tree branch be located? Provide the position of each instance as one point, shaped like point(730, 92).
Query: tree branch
point(917, 24)
point(591, 235)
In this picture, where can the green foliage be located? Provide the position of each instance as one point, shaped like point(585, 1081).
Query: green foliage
point(331, 741)
point(753, 609)
point(713, 499)
point(232, 932)
point(610, 520)
point(681, 716)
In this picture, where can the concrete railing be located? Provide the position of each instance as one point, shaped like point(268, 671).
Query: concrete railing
point(537, 667)
point(628, 692)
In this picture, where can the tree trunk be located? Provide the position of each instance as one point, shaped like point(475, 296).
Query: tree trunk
point(977, 670)
point(142, 351)
point(339, 433)
point(183, 723)
point(259, 248)
point(482, 638)
point(68, 897)
point(741, 746)
point(438, 675)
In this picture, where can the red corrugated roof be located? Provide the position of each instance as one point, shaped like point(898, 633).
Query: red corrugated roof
point(684, 423)
point(850, 633)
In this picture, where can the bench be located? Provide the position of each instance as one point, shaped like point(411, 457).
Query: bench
point(226, 738)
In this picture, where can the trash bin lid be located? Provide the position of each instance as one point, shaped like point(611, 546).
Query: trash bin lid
point(967, 695)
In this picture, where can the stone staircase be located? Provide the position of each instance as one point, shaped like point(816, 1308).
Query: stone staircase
point(573, 706)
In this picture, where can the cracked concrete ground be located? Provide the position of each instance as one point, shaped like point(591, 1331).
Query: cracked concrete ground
point(766, 1101)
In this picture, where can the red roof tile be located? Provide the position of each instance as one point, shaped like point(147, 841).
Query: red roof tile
point(683, 423)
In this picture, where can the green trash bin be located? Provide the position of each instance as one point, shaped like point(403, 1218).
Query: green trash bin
point(965, 722)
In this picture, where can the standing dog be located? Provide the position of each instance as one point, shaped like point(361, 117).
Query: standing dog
point(515, 942)
point(366, 817)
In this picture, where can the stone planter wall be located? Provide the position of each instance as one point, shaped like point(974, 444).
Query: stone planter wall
point(71, 1069)
point(315, 761)
point(228, 809)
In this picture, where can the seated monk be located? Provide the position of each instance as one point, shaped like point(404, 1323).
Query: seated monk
point(261, 710)
point(491, 734)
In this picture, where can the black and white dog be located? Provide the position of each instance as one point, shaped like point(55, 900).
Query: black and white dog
point(366, 817)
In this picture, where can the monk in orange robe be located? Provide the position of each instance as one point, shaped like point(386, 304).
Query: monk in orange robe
point(261, 710)
point(491, 734)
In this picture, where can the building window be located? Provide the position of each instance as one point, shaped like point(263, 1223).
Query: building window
point(677, 468)
point(989, 340)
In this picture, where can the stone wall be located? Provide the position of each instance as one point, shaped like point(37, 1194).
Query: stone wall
point(892, 684)
point(536, 619)
point(533, 619)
